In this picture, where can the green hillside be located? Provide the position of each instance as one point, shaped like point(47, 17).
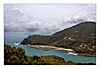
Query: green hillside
point(36, 40)
point(82, 29)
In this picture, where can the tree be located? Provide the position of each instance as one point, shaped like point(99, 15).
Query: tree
point(14, 60)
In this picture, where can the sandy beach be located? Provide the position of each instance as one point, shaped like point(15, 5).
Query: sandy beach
point(56, 48)
point(70, 50)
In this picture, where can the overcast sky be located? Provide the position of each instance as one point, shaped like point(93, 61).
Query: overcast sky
point(45, 19)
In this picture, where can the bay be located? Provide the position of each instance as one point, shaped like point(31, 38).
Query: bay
point(11, 39)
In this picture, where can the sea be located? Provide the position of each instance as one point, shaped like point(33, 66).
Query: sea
point(12, 39)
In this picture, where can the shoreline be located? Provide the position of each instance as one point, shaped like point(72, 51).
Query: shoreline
point(50, 47)
point(88, 55)
point(59, 48)
point(84, 54)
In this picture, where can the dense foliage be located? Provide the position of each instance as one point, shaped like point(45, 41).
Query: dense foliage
point(17, 56)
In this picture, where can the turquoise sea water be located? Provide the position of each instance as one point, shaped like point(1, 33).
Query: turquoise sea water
point(11, 39)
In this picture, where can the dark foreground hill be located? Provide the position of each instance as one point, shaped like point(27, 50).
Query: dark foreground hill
point(81, 38)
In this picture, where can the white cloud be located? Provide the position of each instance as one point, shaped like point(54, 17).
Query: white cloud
point(17, 12)
point(13, 10)
point(40, 20)
point(13, 27)
point(91, 8)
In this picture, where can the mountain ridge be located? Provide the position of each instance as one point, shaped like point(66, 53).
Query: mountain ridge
point(65, 33)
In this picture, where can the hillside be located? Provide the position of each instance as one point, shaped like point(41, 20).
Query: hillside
point(81, 38)
point(82, 29)
point(36, 40)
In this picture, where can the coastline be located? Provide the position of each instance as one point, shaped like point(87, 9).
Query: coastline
point(56, 48)
point(85, 54)
point(59, 48)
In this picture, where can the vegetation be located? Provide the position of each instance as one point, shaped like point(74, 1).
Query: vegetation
point(17, 56)
point(36, 40)
point(82, 29)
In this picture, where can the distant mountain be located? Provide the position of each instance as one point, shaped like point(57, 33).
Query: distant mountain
point(81, 38)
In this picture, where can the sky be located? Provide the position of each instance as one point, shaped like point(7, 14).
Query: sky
point(45, 19)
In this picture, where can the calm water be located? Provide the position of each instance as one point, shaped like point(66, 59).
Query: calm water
point(11, 39)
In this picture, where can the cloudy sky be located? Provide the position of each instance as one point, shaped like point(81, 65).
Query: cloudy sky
point(45, 19)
